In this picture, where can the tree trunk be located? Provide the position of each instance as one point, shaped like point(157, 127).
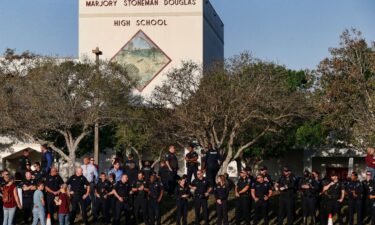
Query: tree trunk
point(228, 159)
point(72, 162)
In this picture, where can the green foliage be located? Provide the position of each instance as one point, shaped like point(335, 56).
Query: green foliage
point(310, 134)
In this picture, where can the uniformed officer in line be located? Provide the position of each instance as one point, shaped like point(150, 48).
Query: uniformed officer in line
point(28, 186)
point(140, 191)
point(191, 159)
point(23, 160)
point(212, 161)
point(371, 196)
point(242, 190)
point(147, 170)
point(261, 191)
point(267, 177)
point(310, 189)
point(122, 192)
point(111, 199)
point(172, 164)
point(368, 184)
point(163, 174)
point(287, 185)
point(354, 189)
point(315, 175)
point(155, 195)
point(102, 189)
point(202, 189)
point(52, 188)
point(335, 193)
point(182, 193)
point(80, 190)
point(130, 161)
point(37, 174)
point(221, 191)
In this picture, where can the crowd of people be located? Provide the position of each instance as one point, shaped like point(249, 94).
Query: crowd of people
point(134, 194)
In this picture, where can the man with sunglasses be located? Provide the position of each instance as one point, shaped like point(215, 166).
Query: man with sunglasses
point(368, 184)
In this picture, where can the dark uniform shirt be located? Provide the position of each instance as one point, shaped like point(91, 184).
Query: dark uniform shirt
point(163, 174)
point(128, 162)
point(140, 194)
point(180, 191)
point(192, 155)
point(356, 187)
point(313, 184)
point(261, 189)
point(78, 184)
point(147, 171)
point(367, 184)
point(334, 191)
point(172, 159)
point(103, 187)
point(212, 159)
point(38, 175)
point(155, 189)
point(222, 191)
point(287, 185)
point(132, 175)
point(202, 187)
point(54, 182)
point(241, 184)
point(123, 189)
point(23, 160)
point(28, 183)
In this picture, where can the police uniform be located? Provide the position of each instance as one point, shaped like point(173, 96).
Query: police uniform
point(132, 174)
point(372, 201)
point(332, 204)
point(23, 160)
point(111, 199)
point(123, 190)
point(243, 201)
point(355, 191)
point(200, 199)
point(212, 165)
point(221, 193)
point(147, 171)
point(192, 167)
point(53, 183)
point(309, 197)
point(38, 175)
point(172, 177)
point(182, 204)
point(163, 174)
point(78, 184)
point(102, 188)
point(140, 201)
point(287, 185)
point(27, 199)
point(155, 190)
point(367, 204)
point(261, 190)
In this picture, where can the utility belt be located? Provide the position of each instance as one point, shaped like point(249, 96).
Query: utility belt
point(192, 165)
point(200, 196)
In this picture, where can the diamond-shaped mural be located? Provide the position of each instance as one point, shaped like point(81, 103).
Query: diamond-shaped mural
point(143, 59)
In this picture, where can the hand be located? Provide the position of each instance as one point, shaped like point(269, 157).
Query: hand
point(97, 195)
point(24, 187)
point(85, 196)
point(340, 200)
point(141, 188)
point(256, 199)
point(266, 197)
point(219, 201)
point(237, 195)
point(121, 199)
point(105, 196)
point(19, 206)
point(206, 194)
point(184, 196)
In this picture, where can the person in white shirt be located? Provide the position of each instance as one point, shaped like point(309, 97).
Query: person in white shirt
point(91, 174)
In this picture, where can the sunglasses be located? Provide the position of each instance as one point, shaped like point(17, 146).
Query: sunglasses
point(6, 174)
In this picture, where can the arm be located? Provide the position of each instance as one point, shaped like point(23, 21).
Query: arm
point(253, 195)
point(15, 193)
point(42, 200)
point(245, 189)
point(49, 161)
point(161, 195)
point(342, 196)
point(96, 174)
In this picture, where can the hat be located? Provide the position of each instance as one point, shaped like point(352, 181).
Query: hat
point(263, 168)
point(286, 169)
point(191, 145)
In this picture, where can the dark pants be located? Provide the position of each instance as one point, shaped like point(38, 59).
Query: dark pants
point(334, 208)
point(121, 207)
point(367, 208)
point(140, 204)
point(154, 211)
point(286, 208)
point(192, 170)
point(243, 209)
point(199, 204)
point(77, 201)
point(372, 215)
point(27, 206)
point(211, 175)
point(355, 205)
point(261, 211)
point(222, 213)
point(101, 205)
point(172, 181)
point(309, 207)
point(182, 209)
point(50, 205)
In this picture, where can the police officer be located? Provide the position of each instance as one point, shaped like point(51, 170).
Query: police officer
point(261, 191)
point(122, 192)
point(130, 161)
point(335, 193)
point(52, 187)
point(132, 171)
point(212, 161)
point(163, 174)
point(309, 187)
point(371, 196)
point(140, 191)
point(267, 177)
point(80, 190)
point(191, 159)
point(202, 189)
point(287, 186)
point(367, 183)
point(172, 164)
point(111, 199)
point(354, 189)
point(182, 193)
point(156, 192)
point(37, 174)
point(23, 160)
point(221, 191)
point(147, 170)
point(28, 186)
point(242, 198)
point(102, 189)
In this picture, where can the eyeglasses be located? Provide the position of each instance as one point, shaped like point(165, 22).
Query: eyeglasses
point(6, 174)
point(368, 174)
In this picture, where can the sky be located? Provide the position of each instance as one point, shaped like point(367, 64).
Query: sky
point(295, 33)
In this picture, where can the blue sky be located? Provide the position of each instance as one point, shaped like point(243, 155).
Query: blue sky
point(296, 33)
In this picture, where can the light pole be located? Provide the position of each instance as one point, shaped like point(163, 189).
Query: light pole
point(97, 53)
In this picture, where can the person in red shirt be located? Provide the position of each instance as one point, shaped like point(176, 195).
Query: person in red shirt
point(63, 202)
point(10, 199)
point(370, 161)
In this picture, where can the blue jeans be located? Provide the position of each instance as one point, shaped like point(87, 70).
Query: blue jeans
point(63, 219)
point(8, 215)
point(39, 214)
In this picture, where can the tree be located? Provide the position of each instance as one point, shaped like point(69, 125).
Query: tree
point(347, 90)
point(61, 98)
point(231, 105)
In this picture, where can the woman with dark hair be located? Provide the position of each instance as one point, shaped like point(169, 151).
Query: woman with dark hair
point(10, 199)
point(221, 191)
